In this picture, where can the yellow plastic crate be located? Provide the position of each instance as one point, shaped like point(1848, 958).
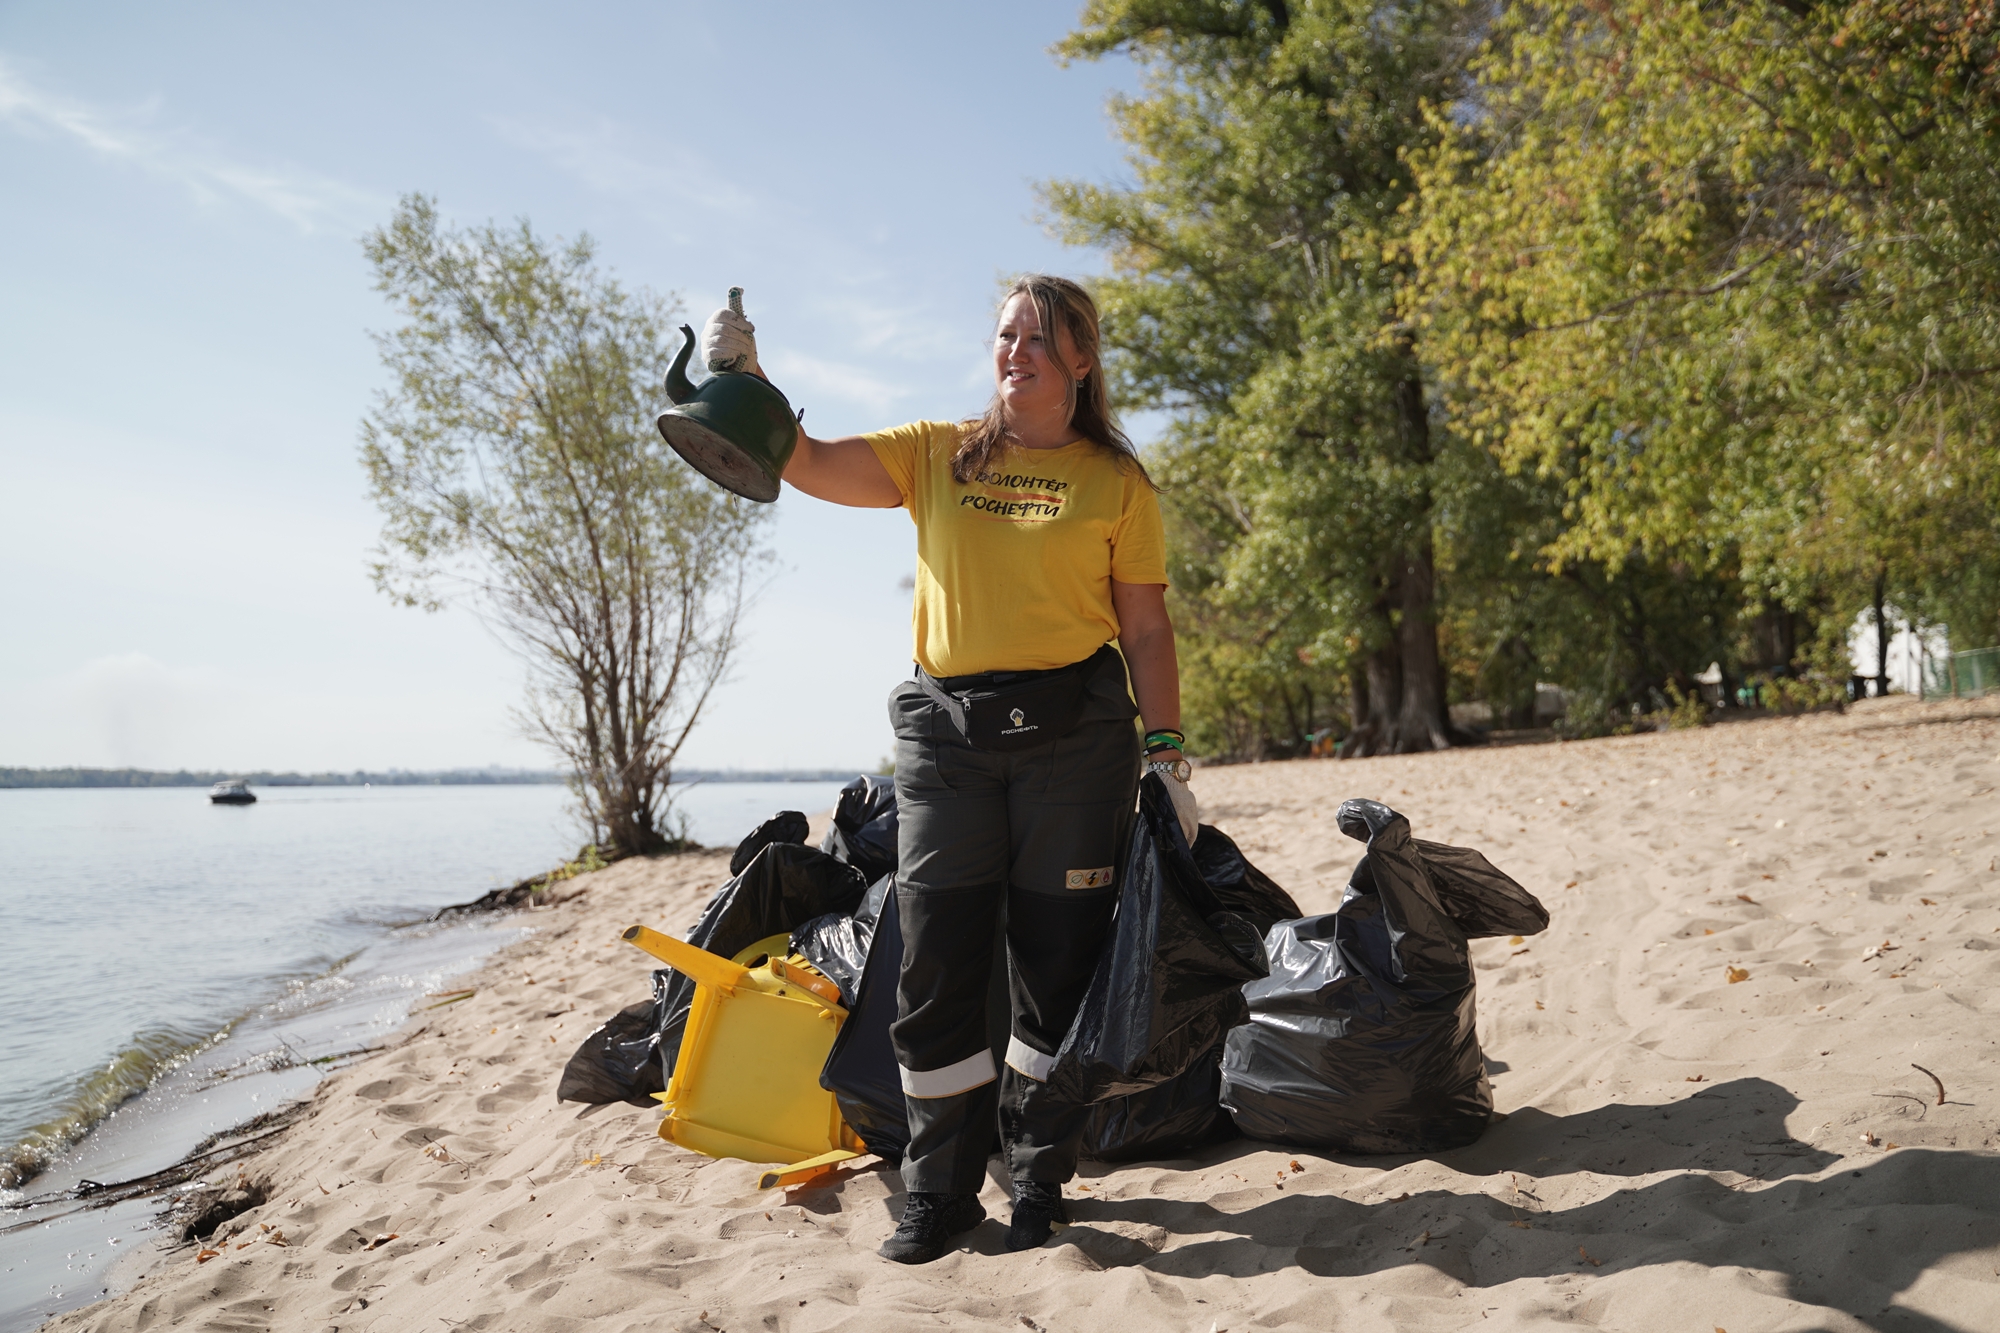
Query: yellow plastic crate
point(746, 1082)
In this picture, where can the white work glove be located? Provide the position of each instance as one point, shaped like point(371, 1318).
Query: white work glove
point(729, 340)
point(1185, 808)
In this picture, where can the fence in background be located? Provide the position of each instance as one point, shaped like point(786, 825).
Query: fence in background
point(1962, 675)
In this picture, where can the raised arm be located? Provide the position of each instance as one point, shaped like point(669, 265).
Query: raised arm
point(844, 471)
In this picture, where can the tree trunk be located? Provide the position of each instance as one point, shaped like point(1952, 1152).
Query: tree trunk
point(1378, 697)
point(1881, 636)
point(1422, 723)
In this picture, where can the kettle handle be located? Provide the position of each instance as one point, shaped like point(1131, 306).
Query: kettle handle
point(679, 387)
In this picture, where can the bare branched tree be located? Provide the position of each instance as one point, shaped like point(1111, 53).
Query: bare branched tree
point(518, 471)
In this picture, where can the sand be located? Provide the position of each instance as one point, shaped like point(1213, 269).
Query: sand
point(1681, 1151)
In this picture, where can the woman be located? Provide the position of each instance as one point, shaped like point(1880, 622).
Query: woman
point(1038, 544)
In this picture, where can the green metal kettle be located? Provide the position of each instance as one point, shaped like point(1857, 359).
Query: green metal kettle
point(736, 429)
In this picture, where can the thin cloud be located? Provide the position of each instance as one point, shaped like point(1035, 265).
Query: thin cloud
point(833, 379)
point(908, 332)
point(609, 158)
point(306, 200)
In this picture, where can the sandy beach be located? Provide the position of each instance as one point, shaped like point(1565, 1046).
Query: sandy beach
point(1706, 1063)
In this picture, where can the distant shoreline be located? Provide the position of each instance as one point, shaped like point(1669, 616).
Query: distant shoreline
point(21, 778)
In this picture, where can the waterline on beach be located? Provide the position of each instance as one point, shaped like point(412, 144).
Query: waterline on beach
point(210, 956)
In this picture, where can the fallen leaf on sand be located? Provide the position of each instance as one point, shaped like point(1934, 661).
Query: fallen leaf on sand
point(1892, 1144)
point(381, 1240)
point(1746, 898)
point(1594, 1263)
point(1927, 902)
point(1517, 939)
point(1708, 932)
point(1538, 1004)
point(595, 1159)
point(1736, 974)
point(206, 1255)
point(1695, 1078)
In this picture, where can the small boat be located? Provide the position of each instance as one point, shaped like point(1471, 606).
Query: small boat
point(234, 791)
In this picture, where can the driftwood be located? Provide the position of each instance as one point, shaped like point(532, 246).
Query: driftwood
point(217, 1150)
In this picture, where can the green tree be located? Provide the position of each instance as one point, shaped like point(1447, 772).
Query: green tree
point(1254, 290)
point(1727, 277)
point(517, 469)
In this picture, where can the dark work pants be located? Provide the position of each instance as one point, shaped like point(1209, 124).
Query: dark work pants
point(1041, 830)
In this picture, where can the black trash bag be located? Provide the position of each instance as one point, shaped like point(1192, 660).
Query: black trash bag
point(863, 832)
point(1239, 886)
point(860, 1070)
point(1362, 1037)
point(785, 826)
point(837, 943)
point(618, 1062)
point(1169, 983)
point(1483, 900)
point(1172, 1120)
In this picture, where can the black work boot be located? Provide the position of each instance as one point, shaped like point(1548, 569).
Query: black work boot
point(930, 1223)
point(1038, 1211)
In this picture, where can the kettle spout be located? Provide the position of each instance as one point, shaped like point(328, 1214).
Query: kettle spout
point(679, 387)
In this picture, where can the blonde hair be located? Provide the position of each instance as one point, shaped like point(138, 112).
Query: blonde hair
point(1060, 305)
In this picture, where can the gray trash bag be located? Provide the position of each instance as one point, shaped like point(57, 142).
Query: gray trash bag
point(863, 832)
point(1483, 900)
point(837, 944)
point(1362, 1037)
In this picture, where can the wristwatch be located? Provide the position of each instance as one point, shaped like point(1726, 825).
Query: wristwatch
point(1171, 768)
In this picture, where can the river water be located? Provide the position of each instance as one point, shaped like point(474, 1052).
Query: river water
point(205, 956)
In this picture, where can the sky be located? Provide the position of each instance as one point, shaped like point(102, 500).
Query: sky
point(185, 314)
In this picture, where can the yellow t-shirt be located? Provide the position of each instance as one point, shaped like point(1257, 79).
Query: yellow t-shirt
point(1014, 568)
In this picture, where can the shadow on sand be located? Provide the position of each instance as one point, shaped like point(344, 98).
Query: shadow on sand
point(1849, 1241)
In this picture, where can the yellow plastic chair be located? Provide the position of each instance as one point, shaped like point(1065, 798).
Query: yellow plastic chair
point(746, 1082)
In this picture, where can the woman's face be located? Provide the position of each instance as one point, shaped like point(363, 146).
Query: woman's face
point(1032, 372)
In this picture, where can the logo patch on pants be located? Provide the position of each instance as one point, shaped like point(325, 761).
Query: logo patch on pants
point(1088, 879)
